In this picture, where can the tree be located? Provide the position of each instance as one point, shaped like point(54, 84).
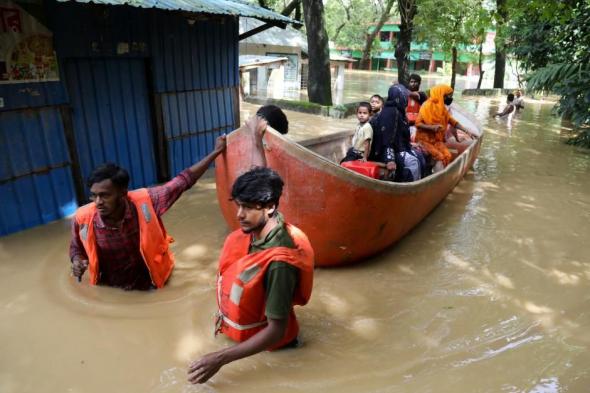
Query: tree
point(407, 11)
point(501, 20)
point(319, 85)
point(551, 41)
point(449, 26)
point(347, 21)
point(385, 15)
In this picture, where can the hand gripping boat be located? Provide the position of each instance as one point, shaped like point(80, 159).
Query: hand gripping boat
point(347, 216)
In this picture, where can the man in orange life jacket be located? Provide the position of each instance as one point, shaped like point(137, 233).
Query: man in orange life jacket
point(119, 236)
point(265, 268)
point(415, 99)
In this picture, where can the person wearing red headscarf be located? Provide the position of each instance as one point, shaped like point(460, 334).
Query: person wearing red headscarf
point(432, 121)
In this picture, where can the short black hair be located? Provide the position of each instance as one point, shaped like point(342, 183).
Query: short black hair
point(260, 186)
point(364, 104)
point(510, 97)
point(377, 96)
point(415, 77)
point(275, 117)
point(119, 176)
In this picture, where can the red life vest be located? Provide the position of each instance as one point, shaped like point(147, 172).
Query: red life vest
point(412, 110)
point(241, 295)
point(153, 239)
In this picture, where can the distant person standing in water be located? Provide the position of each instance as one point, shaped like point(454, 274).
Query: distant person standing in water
point(509, 108)
point(518, 100)
point(265, 269)
point(119, 237)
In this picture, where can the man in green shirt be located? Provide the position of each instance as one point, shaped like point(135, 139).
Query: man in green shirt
point(265, 268)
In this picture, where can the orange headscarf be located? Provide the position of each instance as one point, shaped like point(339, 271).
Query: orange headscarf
point(434, 111)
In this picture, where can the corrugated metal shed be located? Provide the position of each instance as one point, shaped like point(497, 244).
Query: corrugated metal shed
point(219, 7)
point(35, 180)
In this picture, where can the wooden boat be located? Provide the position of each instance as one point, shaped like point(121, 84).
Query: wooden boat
point(347, 216)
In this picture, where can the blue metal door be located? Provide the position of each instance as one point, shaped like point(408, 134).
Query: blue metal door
point(111, 116)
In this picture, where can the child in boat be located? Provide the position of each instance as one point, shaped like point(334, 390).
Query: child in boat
point(361, 140)
point(376, 102)
point(509, 106)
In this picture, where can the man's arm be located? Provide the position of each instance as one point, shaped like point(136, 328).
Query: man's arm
point(506, 111)
point(78, 255)
point(257, 126)
point(200, 167)
point(164, 196)
point(200, 371)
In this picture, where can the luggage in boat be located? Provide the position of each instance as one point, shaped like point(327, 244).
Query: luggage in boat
point(370, 169)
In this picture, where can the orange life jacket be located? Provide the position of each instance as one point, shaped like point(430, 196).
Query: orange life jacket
point(241, 295)
point(153, 239)
point(412, 110)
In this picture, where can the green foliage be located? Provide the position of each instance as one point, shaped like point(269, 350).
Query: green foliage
point(348, 21)
point(552, 42)
point(456, 23)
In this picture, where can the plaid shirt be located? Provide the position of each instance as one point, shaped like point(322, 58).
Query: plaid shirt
point(120, 261)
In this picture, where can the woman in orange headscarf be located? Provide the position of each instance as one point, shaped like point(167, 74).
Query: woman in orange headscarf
point(432, 121)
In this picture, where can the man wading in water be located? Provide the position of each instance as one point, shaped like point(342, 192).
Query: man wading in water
point(265, 268)
point(119, 236)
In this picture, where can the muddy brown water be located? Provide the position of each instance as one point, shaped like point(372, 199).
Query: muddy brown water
point(489, 294)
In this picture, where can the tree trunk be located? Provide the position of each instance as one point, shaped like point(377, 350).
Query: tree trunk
point(371, 36)
point(453, 67)
point(319, 88)
point(501, 19)
point(481, 71)
point(407, 11)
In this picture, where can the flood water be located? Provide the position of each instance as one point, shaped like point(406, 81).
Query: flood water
point(490, 293)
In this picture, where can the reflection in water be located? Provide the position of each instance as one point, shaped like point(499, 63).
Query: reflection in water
point(488, 294)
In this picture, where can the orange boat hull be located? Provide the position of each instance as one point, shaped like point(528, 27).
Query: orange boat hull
point(346, 216)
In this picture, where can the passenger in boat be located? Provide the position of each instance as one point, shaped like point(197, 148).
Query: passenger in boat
point(275, 117)
point(361, 140)
point(376, 102)
point(119, 236)
point(509, 108)
point(391, 143)
point(415, 98)
point(432, 123)
point(265, 269)
point(518, 100)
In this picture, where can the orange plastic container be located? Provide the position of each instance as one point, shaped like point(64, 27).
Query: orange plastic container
point(369, 169)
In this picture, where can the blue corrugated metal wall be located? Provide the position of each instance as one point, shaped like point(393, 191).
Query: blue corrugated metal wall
point(35, 178)
point(111, 116)
point(196, 72)
point(103, 52)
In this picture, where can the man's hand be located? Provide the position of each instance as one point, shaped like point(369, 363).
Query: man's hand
point(220, 143)
point(257, 125)
point(79, 266)
point(201, 370)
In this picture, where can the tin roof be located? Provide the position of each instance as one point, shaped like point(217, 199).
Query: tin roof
point(272, 36)
point(222, 7)
point(253, 61)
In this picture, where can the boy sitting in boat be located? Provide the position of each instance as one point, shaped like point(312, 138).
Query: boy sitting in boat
point(361, 140)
